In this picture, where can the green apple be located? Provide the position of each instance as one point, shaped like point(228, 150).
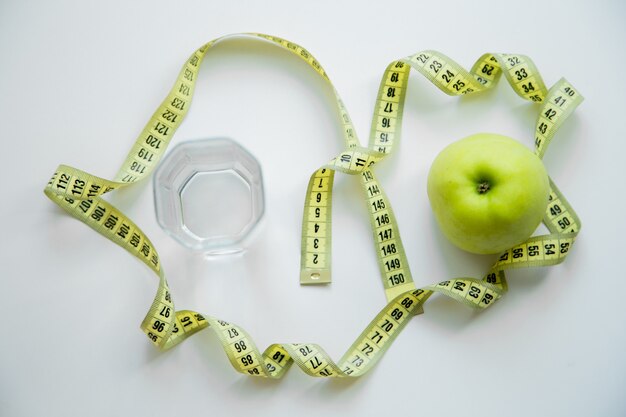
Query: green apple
point(488, 192)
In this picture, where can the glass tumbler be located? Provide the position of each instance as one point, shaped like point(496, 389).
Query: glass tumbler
point(208, 195)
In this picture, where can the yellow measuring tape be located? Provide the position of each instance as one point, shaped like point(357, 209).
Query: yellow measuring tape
point(79, 193)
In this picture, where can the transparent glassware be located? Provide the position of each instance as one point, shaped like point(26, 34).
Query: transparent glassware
point(208, 195)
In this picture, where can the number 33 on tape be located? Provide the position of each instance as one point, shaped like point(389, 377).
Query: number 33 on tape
point(80, 194)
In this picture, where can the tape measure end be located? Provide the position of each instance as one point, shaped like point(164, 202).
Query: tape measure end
point(315, 277)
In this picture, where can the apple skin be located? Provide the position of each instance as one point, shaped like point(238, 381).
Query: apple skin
point(488, 192)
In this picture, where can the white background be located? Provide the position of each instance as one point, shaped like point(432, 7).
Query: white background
point(78, 80)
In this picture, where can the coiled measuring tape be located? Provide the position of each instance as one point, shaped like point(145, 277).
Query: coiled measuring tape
point(79, 193)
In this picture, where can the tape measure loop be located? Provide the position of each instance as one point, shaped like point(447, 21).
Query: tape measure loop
point(80, 194)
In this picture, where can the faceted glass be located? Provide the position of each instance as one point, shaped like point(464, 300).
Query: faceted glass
point(208, 195)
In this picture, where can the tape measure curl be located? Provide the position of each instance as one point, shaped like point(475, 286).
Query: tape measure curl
point(79, 193)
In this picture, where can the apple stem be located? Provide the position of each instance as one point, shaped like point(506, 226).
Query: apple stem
point(483, 187)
